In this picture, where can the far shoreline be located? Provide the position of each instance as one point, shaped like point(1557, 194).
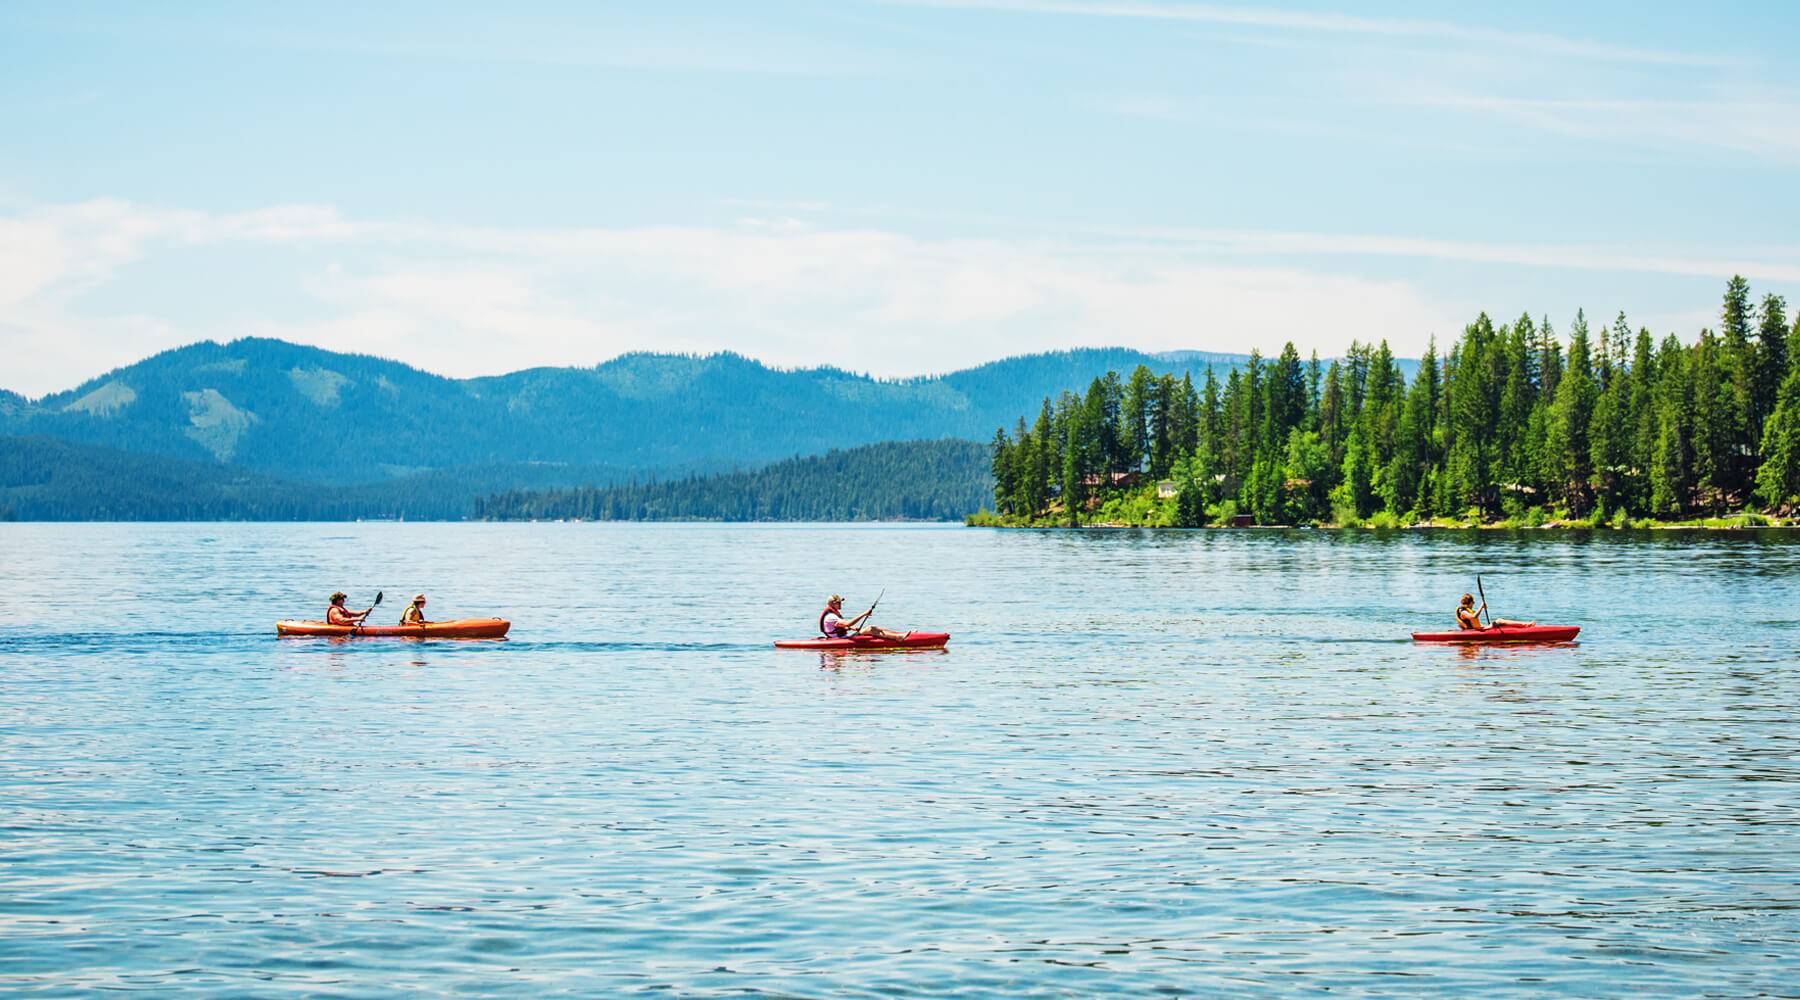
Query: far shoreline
point(1742, 522)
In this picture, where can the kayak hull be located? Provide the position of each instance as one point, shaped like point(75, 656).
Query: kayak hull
point(465, 628)
point(869, 643)
point(1503, 633)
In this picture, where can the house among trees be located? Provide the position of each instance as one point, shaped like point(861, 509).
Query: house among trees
point(1166, 489)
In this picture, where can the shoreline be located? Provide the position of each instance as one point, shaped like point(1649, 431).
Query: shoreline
point(1764, 523)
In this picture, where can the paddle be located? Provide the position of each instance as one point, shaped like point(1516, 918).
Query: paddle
point(869, 613)
point(372, 605)
point(1483, 594)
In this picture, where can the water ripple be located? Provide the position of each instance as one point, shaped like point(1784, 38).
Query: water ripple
point(1196, 763)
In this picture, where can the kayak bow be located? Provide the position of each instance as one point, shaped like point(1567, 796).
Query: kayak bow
point(1503, 633)
point(869, 643)
point(463, 628)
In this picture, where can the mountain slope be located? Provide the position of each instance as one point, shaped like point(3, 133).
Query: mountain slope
point(43, 479)
point(899, 480)
point(303, 413)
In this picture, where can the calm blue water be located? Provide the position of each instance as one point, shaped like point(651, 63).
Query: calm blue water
point(1148, 763)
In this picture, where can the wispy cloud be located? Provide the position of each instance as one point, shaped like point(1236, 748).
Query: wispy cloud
point(1777, 264)
point(1326, 22)
point(1765, 127)
point(480, 300)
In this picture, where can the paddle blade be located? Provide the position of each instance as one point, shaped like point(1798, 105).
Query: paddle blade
point(377, 598)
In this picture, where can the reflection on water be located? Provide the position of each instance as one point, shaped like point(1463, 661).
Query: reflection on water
point(1183, 762)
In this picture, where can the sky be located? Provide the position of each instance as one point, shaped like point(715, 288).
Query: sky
point(891, 186)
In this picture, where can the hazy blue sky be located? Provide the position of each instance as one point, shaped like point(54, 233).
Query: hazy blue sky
point(896, 187)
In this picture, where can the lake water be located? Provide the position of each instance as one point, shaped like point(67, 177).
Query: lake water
point(1148, 763)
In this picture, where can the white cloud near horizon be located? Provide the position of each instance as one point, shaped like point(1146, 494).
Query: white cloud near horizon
point(472, 300)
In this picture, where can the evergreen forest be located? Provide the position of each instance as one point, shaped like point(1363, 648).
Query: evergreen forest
point(1514, 423)
point(899, 480)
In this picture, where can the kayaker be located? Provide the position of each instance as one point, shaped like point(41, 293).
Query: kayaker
point(415, 612)
point(1468, 616)
point(337, 614)
point(833, 624)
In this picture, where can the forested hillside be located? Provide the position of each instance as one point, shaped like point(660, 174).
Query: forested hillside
point(42, 479)
point(301, 413)
point(903, 480)
point(1514, 422)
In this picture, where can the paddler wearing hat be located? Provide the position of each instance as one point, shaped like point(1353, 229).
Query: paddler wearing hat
point(415, 612)
point(833, 624)
point(337, 614)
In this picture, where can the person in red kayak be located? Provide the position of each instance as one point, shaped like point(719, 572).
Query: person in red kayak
point(833, 624)
point(1468, 616)
point(337, 614)
point(415, 612)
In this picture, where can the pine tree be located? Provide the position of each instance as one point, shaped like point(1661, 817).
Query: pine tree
point(1287, 398)
point(1771, 360)
point(1113, 446)
point(1046, 463)
point(1778, 479)
point(1609, 445)
point(1354, 494)
point(1570, 415)
point(1672, 466)
point(1005, 484)
point(1134, 430)
point(1163, 430)
point(1641, 421)
point(1737, 416)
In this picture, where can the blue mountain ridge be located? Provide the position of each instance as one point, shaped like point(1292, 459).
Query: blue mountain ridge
point(305, 414)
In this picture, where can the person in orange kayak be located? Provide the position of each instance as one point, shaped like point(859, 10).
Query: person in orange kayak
point(415, 612)
point(1468, 616)
point(833, 624)
point(337, 614)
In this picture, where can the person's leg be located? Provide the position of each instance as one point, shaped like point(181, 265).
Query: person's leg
point(1509, 621)
point(883, 633)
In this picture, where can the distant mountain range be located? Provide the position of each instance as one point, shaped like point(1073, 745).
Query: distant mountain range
point(304, 413)
point(264, 415)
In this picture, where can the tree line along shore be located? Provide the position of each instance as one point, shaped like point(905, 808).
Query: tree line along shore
point(1510, 427)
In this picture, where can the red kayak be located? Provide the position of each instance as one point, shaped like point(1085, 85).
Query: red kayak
point(869, 643)
point(463, 628)
point(1503, 633)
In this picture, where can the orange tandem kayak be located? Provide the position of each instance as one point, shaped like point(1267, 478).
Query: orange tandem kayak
point(462, 628)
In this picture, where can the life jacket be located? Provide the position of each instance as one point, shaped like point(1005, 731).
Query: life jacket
point(1472, 623)
point(841, 630)
point(333, 611)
